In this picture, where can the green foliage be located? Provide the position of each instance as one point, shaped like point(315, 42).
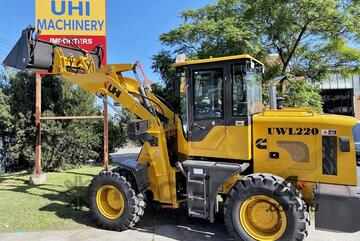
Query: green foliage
point(162, 64)
point(5, 115)
point(215, 30)
point(303, 94)
point(63, 142)
point(312, 38)
point(117, 135)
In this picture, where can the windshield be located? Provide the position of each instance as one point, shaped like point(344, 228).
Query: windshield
point(254, 92)
point(208, 94)
point(246, 91)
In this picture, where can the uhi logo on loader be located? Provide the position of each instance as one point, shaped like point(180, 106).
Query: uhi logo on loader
point(112, 89)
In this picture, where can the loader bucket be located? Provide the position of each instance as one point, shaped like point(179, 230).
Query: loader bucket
point(38, 55)
point(19, 56)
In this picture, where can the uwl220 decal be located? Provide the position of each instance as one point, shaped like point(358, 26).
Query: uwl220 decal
point(296, 131)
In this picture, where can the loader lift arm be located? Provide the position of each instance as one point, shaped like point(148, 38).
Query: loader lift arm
point(84, 69)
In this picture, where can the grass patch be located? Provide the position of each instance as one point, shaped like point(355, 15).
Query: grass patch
point(57, 205)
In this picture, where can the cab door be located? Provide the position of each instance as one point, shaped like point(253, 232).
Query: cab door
point(206, 107)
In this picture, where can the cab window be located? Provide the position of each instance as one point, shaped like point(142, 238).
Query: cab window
point(246, 90)
point(208, 94)
point(239, 102)
point(254, 91)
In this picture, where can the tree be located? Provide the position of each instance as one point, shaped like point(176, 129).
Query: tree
point(303, 94)
point(117, 135)
point(5, 120)
point(162, 64)
point(215, 30)
point(311, 37)
point(5, 115)
point(63, 142)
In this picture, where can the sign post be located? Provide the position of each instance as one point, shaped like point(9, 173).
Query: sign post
point(38, 177)
point(74, 23)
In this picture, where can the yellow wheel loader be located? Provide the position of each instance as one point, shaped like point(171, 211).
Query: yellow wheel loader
point(270, 166)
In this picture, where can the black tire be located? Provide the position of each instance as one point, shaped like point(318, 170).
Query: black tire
point(134, 204)
point(277, 188)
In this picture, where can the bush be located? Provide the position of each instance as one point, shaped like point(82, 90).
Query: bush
point(64, 143)
point(303, 94)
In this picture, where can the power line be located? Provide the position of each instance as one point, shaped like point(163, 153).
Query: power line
point(4, 48)
point(10, 27)
point(6, 43)
point(9, 38)
point(2, 51)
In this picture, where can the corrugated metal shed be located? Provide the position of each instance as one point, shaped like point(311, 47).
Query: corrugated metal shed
point(336, 81)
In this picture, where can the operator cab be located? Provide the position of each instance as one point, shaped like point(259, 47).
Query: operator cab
point(217, 93)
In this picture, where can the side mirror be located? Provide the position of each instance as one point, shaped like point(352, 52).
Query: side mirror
point(176, 87)
point(179, 83)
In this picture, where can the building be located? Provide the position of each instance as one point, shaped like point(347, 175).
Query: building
point(341, 95)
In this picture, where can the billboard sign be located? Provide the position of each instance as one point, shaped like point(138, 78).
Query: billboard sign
point(75, 23)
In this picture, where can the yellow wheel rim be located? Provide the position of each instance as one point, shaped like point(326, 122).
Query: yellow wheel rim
point(110, 201)
point(263, 218)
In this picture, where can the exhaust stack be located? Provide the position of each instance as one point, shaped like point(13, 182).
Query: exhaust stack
point(273, 93)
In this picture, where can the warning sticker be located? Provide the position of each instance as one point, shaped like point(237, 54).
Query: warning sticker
point(326, 132)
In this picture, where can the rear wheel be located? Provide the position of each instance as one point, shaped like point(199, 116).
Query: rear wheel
point(113, 202)
point(266, 207)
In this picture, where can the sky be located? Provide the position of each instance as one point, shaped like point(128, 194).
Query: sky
point(133, 27)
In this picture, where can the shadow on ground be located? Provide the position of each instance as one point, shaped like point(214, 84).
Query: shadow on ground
point(176, 224)
point(170, 223)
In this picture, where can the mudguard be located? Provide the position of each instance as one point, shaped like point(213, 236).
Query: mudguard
point(138, 170)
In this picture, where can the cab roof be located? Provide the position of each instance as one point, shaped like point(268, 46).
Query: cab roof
point(220, 59)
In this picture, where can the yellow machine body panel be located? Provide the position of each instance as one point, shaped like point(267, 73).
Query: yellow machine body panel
point(300, 144)
point(230, 142)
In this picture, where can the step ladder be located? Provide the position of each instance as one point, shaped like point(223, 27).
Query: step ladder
point(197, 193)
point(204, 180)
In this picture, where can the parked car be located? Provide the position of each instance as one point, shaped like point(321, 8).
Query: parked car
point(357, 148)
point(356, 132)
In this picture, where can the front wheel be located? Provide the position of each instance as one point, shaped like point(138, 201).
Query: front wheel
point(266, 207)
point(113, 202)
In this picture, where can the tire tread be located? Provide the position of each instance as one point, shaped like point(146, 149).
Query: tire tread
point(276, 183)
point(136, 201)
